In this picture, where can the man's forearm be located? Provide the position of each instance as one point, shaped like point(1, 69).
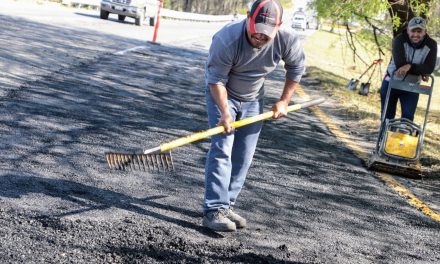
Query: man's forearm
point(280, 108)
point(289, 89)
point(220, 96)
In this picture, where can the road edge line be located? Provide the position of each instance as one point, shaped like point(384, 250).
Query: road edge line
point(122, 52)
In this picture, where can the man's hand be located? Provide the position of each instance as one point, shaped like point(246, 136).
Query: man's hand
point(425, 78)
point(404, 69)
point(226, 121)
point(220, 96)
point(279, 109)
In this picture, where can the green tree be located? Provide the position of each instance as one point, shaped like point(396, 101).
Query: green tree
point(380, 19)
point(396, 13)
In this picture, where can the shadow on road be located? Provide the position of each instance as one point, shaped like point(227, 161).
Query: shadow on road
point(16, 185)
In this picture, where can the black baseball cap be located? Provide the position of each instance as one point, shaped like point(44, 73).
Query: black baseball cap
point(265, 17)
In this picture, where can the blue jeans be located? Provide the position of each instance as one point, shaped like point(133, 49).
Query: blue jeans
point(408, 102)
point(230, 155)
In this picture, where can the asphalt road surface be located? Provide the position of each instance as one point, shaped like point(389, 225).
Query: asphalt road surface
point(72, 90)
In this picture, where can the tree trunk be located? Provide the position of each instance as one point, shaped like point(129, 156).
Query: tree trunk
point(188, 6)
point(403, 10)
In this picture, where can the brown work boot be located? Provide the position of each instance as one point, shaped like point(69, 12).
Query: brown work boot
point(218, 221)
point(239, 221)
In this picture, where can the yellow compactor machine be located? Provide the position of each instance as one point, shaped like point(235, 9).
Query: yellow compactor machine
point(400, 141)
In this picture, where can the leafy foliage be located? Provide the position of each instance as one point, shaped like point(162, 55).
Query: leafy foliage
point(385, 13)
point(345, 9)
point(380, 19)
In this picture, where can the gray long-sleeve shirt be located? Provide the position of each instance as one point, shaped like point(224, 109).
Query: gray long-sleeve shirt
point(242, 69)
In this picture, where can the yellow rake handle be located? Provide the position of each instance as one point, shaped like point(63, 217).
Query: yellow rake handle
point(220, 129)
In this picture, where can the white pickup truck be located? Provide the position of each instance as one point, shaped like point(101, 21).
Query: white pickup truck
point(140, 10)
point(299, 21)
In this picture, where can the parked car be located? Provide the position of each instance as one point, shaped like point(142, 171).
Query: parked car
point(299, 21)
point(140, 10)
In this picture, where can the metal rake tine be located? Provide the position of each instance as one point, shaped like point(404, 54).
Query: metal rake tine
point(150, 162)
point(108, 158)
point(169, 160)
point(119, 161)
point(113, 160)
point(172, 162)
point(140, 161)
point(128, 164)
point(163, 162)
point(166, 161)
point(136, 162)
point(132, 162)
point(155, 163)
point(145, 159)
point(129, 161)
point(123, 161)
point(159, 164)
point(166, 158)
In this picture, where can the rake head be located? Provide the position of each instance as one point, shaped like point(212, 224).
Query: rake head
point(139, 161)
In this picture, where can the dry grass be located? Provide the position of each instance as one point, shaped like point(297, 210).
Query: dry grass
point(330, 60)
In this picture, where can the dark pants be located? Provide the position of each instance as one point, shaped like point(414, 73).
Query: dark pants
point(408, 102)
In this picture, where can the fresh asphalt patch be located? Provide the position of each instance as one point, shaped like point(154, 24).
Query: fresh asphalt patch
point(307, 198)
